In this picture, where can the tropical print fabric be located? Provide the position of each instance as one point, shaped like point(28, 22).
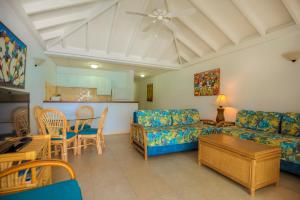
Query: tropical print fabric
point(162, 136)
point(185, 116)
point(269, 121)
point(291, 124)
point(153, 118)
point(247, 119)
point(289, 145)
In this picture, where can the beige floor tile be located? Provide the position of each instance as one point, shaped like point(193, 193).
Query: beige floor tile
point(121, 173)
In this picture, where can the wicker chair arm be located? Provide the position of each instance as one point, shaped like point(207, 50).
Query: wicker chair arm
point(39, 163)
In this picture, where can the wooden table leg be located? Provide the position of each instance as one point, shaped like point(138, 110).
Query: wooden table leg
point(252, 192)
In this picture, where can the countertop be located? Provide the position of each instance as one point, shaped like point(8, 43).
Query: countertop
point(90, 101)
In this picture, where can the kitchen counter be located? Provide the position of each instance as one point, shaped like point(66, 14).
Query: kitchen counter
point(91, 102)
point(118, 116)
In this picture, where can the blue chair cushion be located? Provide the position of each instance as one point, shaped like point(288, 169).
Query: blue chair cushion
point(89, 131)
point(69, 135)
point(65, 190)
point(86, 126)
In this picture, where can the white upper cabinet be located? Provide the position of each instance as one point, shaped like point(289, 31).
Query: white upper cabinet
point(103, 85)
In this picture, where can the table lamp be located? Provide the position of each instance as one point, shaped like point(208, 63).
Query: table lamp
point(221, 103)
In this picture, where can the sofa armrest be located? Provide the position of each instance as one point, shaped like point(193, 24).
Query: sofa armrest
point(209, 122)
point(225, 124)
point(138, 138)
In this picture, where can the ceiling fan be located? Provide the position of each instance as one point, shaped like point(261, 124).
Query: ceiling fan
point(164, 17)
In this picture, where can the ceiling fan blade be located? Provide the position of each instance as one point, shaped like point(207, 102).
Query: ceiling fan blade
point(182, 13)
point(137, 13)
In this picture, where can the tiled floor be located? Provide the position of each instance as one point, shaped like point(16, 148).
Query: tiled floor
point(122, 174)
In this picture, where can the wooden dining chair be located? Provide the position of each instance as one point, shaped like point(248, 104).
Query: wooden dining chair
point(54, 123)
point(95, 134)
point(21, 121)
point(84, 112)
point(36, 111)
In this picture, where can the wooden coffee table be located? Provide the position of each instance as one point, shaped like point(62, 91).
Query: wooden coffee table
point(248, 163)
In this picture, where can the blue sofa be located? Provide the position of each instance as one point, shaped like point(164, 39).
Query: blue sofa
point(157, 132)
point(270, 128)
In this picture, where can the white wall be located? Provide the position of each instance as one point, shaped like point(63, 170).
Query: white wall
point(255, 78)
point(122, 82)
point(35, 76)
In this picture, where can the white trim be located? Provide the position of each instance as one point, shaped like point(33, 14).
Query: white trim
point(101, 56)
point(248, 43)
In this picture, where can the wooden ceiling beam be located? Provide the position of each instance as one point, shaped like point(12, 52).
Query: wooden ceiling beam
point(250, 16)
point(49, 35)
point(100, 9)
point(113, 26)
point(136, 28)
point(49, 5)
point(216, 22)
point(292, 6)
point(59, 20)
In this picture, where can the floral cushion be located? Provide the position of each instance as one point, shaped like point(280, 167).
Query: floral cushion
point(185, 116)
point(291, 124)
point(269, 121)
point(289, 145)
point(143, 117)
point(170, 135)
point(247, 119)
point(153, 118)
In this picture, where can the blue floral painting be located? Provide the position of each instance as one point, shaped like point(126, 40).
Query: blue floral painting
point(12, 59)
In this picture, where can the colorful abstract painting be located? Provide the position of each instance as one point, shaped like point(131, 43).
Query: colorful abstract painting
point(12, 59)
point(207, 83)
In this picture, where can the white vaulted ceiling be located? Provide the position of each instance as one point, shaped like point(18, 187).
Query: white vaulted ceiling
point(102, 30)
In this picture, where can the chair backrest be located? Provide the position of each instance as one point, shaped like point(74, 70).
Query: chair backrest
point(85, 112)
point(32, 167)
point(53, 122)
point(17, 180)
point(36, 111)
point(102, 120)
point(21, 121)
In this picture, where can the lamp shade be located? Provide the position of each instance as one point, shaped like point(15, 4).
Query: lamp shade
point(221, 101)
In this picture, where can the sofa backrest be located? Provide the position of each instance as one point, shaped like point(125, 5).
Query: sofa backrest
point(290, 124)
point(185, 116)
point(153, 118)
point(247, 119)
point(259, 120)
point(160, 117)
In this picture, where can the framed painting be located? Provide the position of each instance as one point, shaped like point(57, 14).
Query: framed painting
point(207, 83)
point(150, 92)
point(12, 59)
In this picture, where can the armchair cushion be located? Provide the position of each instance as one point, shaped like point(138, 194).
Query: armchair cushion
point(291, 124)
point(66, 190)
